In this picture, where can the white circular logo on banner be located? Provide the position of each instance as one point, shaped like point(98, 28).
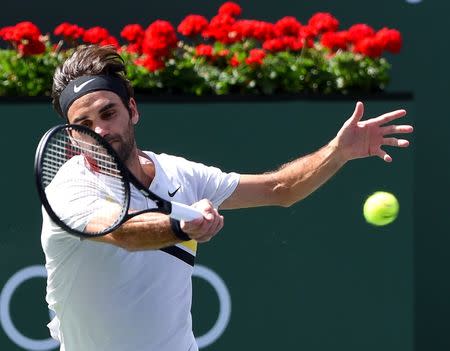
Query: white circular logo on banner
point(224, 302)
point(39, 271)
point(5, 316)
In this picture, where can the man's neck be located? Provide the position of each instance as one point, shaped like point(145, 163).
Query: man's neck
point(142, 168)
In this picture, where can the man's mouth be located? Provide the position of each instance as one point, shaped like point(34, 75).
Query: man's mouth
point(111, 140)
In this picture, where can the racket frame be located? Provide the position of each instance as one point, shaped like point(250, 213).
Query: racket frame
point(38, 169)
point(180, 211)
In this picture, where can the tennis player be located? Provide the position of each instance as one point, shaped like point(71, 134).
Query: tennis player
point(131, 289)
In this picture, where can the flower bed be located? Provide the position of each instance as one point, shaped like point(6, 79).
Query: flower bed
point(222, 55)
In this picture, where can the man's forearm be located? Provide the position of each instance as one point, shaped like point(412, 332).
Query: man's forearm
point(290, 183)
point(144, 232)
point(297, 179)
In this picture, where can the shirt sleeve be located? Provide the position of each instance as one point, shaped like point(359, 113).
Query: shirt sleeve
point(215, 185)
point(208, 182)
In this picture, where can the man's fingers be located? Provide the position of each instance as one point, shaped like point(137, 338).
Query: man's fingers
point(205, 228)
point(357, 113)
point(397, 129)
point(383, 155)
point(212, 230)
point(395, 142)
point(387, 158)
point(194, 222)
point(389, 142)
point(219, 225)
point(214, 223)
point(386, 118)
point(209, 216)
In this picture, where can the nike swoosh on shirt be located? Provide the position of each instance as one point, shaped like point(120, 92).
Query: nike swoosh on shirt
point(172, 194)
point(77, 89)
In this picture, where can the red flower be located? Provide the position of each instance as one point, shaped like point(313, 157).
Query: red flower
point(288, 26)
point(95, 35)
point(390, 40)
point(283, 44)
point(204, 50)
point(234, 61)
point(335, 40)
point(293, 43)
point(256, 57)
point(323, 22)
point(263, 30)
point(360, 31)
point(110, 41)
point(220, 28)
point(192, 25)
point(134, 48)
point(32, 47)
point(160, 37)
point(68, 30)
point(25, 36)
point(134, 33)
point(150, 62)
point(274, 45)
point(370, 47)
point(259, 30)
point(22, 31)
point(7, 33)
point(308, 35)
point(230, 8)
point(223, 53)
point(306, 32)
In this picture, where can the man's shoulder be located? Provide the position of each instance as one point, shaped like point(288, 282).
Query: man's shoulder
point(172, 162)
point(164, 157)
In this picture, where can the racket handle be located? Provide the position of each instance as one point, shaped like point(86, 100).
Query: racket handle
point(184, 212)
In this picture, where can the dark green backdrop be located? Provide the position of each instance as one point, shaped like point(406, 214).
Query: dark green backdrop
point(313, 277)
point(345, 288)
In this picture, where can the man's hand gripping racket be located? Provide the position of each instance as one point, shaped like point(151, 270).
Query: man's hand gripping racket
point(85, 187)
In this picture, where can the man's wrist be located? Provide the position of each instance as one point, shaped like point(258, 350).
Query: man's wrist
point(176, 229)
point(337, 151)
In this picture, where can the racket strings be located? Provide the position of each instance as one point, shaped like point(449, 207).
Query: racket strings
point(104, 162)
point(93, 201)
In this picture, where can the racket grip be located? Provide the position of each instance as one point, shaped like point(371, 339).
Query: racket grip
point(184, 212)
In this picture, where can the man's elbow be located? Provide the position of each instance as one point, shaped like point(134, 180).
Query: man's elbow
point(123, 241)
point(284, 196)
point(286, 202)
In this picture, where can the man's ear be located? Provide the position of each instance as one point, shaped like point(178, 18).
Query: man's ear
point(134, 111)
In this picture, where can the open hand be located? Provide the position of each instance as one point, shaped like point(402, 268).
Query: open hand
point(358, 139)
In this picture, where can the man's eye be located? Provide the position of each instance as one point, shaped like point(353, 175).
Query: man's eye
point(108, 114)
point(86, 124)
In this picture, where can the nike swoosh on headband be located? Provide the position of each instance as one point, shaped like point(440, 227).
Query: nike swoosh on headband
point(77, 89)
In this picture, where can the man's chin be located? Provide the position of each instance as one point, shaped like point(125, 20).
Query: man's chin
point(123, 154)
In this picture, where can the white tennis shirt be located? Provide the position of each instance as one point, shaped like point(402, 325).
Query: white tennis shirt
point(106, 298)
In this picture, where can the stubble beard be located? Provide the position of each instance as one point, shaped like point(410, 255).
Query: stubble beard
point(125, 145)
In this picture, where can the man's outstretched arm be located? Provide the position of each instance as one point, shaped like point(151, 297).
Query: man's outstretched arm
point(297, 179)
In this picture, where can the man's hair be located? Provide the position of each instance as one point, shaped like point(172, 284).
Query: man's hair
point(89, 60)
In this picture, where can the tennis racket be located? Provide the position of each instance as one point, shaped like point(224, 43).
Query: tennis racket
point(85, 187)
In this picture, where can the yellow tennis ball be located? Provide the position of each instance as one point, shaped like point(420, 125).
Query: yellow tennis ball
point(381, 208)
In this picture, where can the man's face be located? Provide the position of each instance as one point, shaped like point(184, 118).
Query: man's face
point(104, 112)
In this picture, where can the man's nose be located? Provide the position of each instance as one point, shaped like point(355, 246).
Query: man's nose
point(100, 130)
